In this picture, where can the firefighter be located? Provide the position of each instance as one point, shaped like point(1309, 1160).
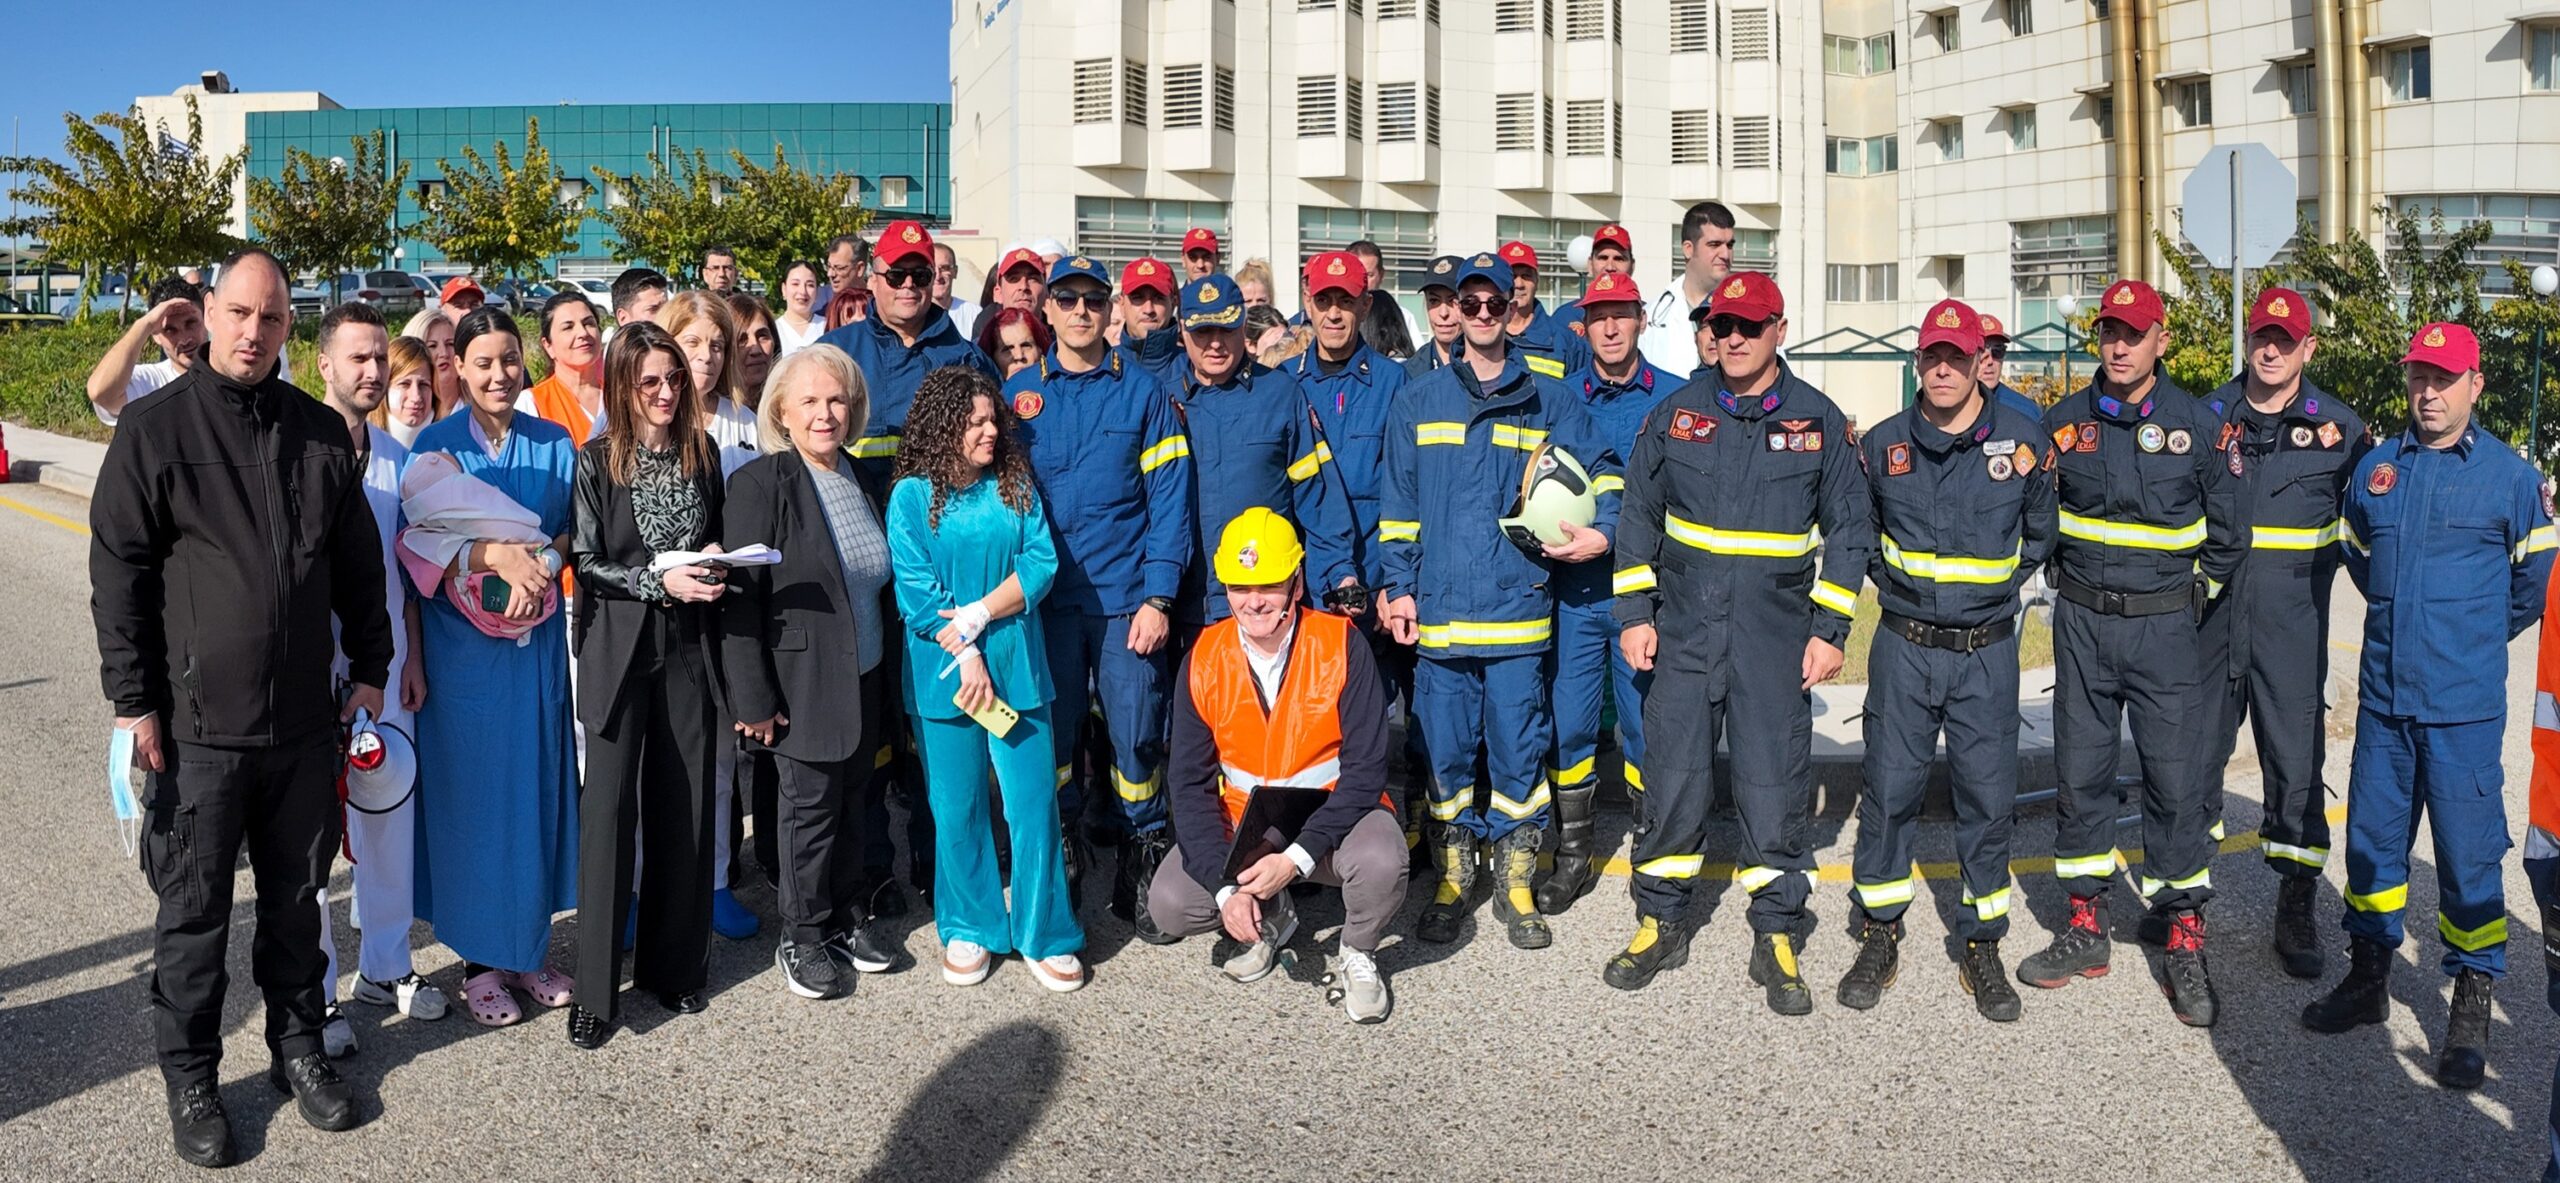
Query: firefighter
point(1477, 604)
point(1728, 483)
point(2447, 536)
point(1964, 510)
point(2150, 529)
point(1544, 344)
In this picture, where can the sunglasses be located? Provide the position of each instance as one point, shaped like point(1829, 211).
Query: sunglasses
point(1484, 305)
point(907, 277)
point(1726, 326)
point(1092, 301)
point(1998, 351)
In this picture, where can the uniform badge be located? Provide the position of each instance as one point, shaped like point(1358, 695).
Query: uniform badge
point(1027, 404)
point(2181, 442)
point(1812, 441)
point(2301, 436)
point(2232, 454)
point(2384, 478)
point(2230, 432)
point(1692, 427)
point(2026, 460)
point(2063, 437)
point(2330, 435)
point(1796, 424)
point(2001, 468)
point(1897, 460)
point(2088, 441)
point(1999, 447)
point(2151, 437)
point(1777, 441)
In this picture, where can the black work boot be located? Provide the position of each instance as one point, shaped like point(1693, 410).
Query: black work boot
point(199, 1129)
point(1879, 959)
point(1773, 967)
point(1515, 868)
point(2188, 986)
point(1658, 945)
point(1981, 976)
point(1573, 874)
point(1453, 848)
point(2078, 951)
point(1140, 855)
point(324, 1100)
point(2363, 996)
point(2297, 936)
point(2465, 1058)
point(1642, 821)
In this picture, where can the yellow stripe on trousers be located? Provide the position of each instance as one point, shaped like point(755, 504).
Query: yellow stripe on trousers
point(2041, 865)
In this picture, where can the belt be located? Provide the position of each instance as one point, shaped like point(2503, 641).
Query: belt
point(2120, 604)
point(1962, 640)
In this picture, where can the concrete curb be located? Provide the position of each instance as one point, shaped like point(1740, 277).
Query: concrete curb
point(53, 461)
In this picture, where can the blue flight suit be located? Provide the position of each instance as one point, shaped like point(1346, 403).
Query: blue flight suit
point(2458, 538)
point(1456, 452)
point(892, 369)
point(1161, 354)
point(1254, 443)
point(1352, 404)
point(1549, 349)
point(1115, 471)
point(2012, 398)
point(1587, 666)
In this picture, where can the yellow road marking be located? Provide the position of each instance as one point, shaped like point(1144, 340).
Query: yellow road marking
point(2043, 865)
point(52, 519)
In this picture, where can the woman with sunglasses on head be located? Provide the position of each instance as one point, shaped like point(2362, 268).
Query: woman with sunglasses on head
point(647, 641)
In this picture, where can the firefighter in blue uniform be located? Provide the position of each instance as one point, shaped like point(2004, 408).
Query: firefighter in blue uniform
point(1253, 441)
point(1964, 510)
point(1727, 486)
point(1440, 314)
point(1618, 389)
point(2150, 530)
point(1147, 329)
point(1115, 471)
point(906, 337)
point(1480, 607)
point(2447, 535)
point(1612, 253)
point(1995, 367)
point(1544, 344)
point(2266, 637)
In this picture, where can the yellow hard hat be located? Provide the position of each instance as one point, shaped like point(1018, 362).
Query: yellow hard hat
point(1258, 549)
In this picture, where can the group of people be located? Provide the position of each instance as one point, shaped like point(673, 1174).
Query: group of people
point(1166, 597)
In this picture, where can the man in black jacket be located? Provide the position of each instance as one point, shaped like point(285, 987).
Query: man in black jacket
point(228, 528)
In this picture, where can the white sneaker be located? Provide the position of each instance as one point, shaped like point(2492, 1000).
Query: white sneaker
point(1256, 961)
point(1061, 973)
point(965, 963)
point(1364, 989)
point(337, 1035)
point(410, 995)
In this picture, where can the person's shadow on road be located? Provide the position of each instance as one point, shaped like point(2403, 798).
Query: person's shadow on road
point(964, 1122)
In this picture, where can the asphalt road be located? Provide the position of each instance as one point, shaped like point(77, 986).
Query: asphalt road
point(1497, 1064)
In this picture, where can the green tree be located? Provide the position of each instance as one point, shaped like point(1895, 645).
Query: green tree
point(2371, 302)
point(132, 197)
point(503, 218)
point(2510, 332)
point(324, 217)
point(667, 216)
point(782, 213)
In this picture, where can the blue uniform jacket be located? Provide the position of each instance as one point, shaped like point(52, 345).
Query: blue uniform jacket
point(2459, 537)
point(1549, 349)
point(1426, 358)
point(2016, 400)
point(1352, 407)
point(1115, 472)
point(1160, 352)
point(1254, 443)
point(892, 369)
point(1455, 454)
point(1617, 412)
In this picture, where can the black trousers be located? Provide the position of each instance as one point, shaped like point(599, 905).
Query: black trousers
point(1914, 694)
point(821, 823)
point(2282, 631)
point(2108, 668)
point(282, 801)
point(650, 766)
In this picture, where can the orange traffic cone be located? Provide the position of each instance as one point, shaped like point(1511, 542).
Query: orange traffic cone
point(4, 455)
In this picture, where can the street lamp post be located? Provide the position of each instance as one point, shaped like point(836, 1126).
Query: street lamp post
point(2069, 305)
point(2546, 280)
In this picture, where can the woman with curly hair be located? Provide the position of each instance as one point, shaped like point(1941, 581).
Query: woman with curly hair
point(969, 543)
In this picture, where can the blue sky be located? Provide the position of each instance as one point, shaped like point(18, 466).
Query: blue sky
point(91, 57)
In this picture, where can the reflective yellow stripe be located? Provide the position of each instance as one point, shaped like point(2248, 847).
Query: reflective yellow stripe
point(1635, 778)
point(1512, 435)
point(1988, 907)
point(2213, 591)
point(884, 757)
point(2132, 534)
point(1065, 773)
point(2218, 832)
point(2314, 857)
point(2347, 536)
point(1439, 433)
point(1835, 597)
point(1137, 791)
point(1632, 579)
point(876, 447)
point(1752, 879)
point(2294, 537)
point(1543, 365)
point(1885, 895)
point(1948, 568)
point(2541, 539)
point(1459, 633)
point(1166, 451)
point(2473, 940)
point(2151, 887)
point(1398, 530)
point(2389, 899)
point(1738, 542)
point(1608, 484)
point(1311, 463)
point(2093, 866)
point(1579, 772)
point(1514, 807)
point(1447, 809)
point(1673, 866)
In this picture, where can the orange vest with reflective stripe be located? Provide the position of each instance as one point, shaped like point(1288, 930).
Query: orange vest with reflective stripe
point(2545, 807)
point(1298, 742)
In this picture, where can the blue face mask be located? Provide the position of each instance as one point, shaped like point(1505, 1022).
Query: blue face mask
point(120, 778)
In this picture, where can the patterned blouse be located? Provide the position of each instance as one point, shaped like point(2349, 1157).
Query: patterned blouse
point(665, 503)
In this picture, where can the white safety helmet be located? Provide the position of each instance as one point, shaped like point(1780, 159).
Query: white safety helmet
point(382, 768)
point(1554, 489)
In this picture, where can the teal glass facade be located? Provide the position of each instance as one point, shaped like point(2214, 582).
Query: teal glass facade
point(900, 152)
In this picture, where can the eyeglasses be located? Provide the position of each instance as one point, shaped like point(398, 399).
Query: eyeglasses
point(1727, 326)
point(907, 277)
point(1998, 351)
point(1092, 301)
point(1484, 305)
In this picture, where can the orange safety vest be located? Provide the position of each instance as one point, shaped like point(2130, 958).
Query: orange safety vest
point(2545, 807)
point(1297, 743)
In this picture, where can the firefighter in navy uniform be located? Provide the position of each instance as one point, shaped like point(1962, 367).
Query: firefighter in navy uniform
point(1716, 542)
point(1964, 510)
point(1544, 344)
point(2150, 526)
point(2266, 651)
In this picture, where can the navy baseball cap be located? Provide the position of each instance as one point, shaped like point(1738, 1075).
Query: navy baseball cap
point(1212, 302)
point(1071, 266)
point(1487, 266)
point(1442, 273)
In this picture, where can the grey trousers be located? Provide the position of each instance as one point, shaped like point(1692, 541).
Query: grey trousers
point(1369, 866)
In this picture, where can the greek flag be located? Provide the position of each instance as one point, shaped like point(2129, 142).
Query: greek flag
point(174, 149)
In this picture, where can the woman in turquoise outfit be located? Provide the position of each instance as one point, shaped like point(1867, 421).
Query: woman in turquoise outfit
point(969, 542)
point(497, 781)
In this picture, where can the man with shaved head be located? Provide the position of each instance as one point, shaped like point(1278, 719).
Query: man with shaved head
point(228, 532)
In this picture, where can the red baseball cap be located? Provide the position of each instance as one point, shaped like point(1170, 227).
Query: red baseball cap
point(1991, 327)
point(2282, 308)
point(1200, 238)
point(902, 240)
point(1146, 273)
point(1519, 254)
point(1339, 271)
point(1749, 295)
point(458, 285)
point(1952, 322)
point(2133, 303)
point(1612, 288)
point(2446, 346)
point(1615, 235)
point(1022, 256)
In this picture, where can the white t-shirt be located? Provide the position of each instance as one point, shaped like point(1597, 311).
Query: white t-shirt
point(1669, 341)
point(794, 342)
point(733, 428)
point(964, 316)
point(382, 496)
point(147, 377)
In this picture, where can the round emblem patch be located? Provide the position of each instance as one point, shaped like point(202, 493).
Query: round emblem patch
point(2151, 437)
point(2001, 468)
point(2384, 478)
point(2301, 436)
point(1027, 404)
point(2180, 442)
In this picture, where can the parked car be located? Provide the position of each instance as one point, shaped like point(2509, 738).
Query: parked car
point(311, 298)
point(597, 291)
point(428, 296)
point(16, 313)
point(392, 292)
point(519, 296)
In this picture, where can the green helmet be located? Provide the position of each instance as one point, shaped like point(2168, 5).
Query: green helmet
point(1554, 490)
